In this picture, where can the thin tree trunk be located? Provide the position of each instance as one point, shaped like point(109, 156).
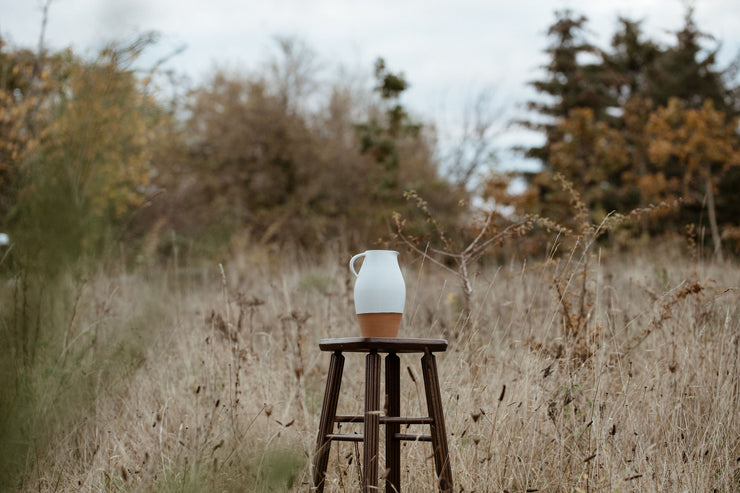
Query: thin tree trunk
point(467, 289)
point(716, 239)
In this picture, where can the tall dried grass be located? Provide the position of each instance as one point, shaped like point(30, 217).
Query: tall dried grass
point(227, 391)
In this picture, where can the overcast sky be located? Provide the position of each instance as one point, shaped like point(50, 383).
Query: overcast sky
point(447, 50)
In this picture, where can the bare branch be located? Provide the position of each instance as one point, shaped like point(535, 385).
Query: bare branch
point(482, 233)
point(501, 234)
point(42, 34)
point(424, 254)
point(474, 149)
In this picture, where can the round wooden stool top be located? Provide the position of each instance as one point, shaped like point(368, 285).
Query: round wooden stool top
point(383, 345)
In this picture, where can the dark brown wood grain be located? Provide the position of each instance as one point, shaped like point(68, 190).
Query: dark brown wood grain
point(439, 434)
point(382, 345)
point(392, 427)
point(371, 444)
point(326, 422)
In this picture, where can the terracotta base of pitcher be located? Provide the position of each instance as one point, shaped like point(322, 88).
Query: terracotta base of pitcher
point(379, 324)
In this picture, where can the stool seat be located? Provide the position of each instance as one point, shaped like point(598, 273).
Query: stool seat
point(382, 345)
point(373, 418)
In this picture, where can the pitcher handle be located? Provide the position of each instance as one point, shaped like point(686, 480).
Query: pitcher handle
point(352, 263)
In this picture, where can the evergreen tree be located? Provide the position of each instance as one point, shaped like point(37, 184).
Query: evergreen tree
point(631, 62)
point(381, 134)
point(574, 78)
point(579, 93)
point(620, 92)
point(688, 71)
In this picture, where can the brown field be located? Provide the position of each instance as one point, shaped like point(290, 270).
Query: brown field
point(210, 378)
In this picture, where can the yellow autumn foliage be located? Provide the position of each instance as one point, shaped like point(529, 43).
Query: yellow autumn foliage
point(700, 145)
point(78, 143)
point(703, 141)
point(99, 140)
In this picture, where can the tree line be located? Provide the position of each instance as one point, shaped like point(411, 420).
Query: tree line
point(92, 154)
point(638, 123)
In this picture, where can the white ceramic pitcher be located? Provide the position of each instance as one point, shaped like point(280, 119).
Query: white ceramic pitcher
point(380, 293)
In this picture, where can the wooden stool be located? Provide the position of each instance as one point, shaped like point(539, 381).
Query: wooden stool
point(372, 418)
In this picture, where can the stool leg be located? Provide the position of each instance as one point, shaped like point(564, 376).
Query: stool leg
point(393, 445)
point(326, 423)
point(372, 422)
point(436, 412)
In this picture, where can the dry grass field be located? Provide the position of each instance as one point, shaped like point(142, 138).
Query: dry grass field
point(210, 378)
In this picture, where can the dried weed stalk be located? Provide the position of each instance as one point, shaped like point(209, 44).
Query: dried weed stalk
point(444, 252)
point(572, 276)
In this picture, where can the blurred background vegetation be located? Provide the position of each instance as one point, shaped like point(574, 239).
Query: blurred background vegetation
point(100, 163)
point(95, 155)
